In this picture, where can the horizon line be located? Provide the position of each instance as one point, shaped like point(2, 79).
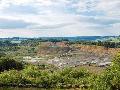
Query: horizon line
point(61, 36)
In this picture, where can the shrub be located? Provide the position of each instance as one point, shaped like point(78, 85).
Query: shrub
point(110, 79)
point(79, 73)
point(44, 80)
point(30, 74)
point(71, 77)
point(8, 63)
point(31, 71)
point(11, 77)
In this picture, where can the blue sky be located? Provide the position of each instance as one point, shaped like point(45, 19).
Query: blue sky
point(39, 18)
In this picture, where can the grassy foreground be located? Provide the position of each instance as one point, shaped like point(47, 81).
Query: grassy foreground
point(49, 77)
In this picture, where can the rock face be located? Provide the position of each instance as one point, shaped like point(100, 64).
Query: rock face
point(34, 60)
point(64, 55)
point(78, 59)
point(103, 64)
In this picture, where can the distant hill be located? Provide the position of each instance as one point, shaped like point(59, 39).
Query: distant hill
point(77, 38)
point(86, 38)
point(113, 39)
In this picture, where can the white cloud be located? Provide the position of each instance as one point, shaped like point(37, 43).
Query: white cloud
point(110, 7)
point(85, 5)
point(62, 17)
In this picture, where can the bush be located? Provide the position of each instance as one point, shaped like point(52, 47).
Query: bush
point(8, 63)
point(31, 71)
point(30, 74)
point(71, 77)
point(44, 80)
point(79, 73)
point(110, 79)
point(11, 77)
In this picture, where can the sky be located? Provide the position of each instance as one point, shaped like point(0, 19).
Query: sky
point(59, 18)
